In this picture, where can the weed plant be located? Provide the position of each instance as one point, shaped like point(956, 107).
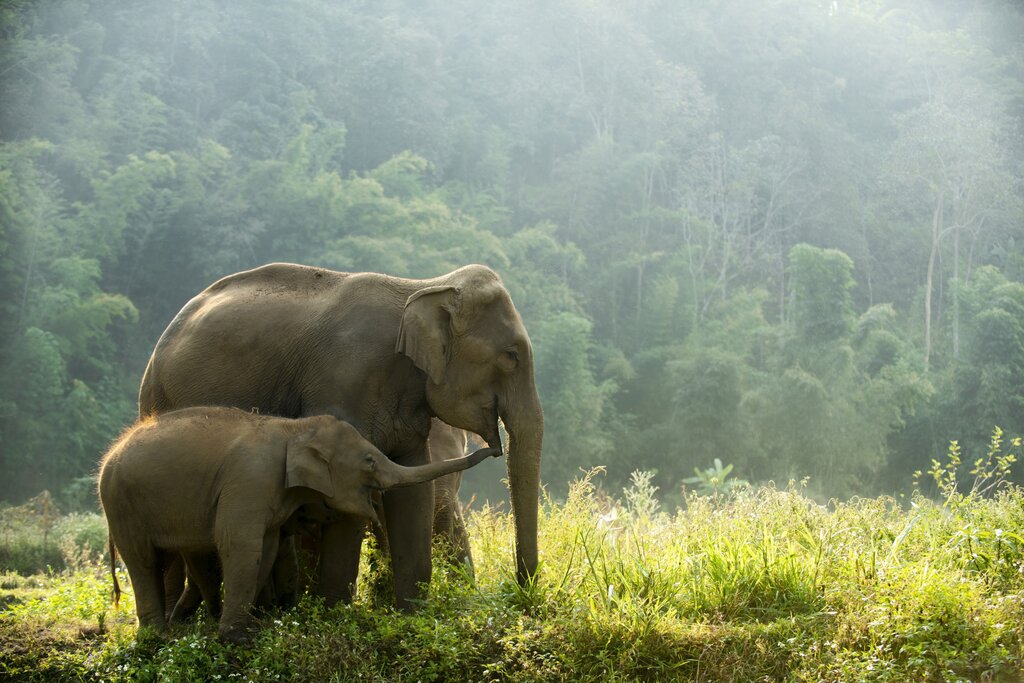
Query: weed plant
point(36, 537)
point(753, 584)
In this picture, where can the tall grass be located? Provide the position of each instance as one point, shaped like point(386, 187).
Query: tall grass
point(756, 584)
point(854, 589)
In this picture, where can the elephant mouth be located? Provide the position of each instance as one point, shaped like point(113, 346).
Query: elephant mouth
point(493, 435)
point(374, 503)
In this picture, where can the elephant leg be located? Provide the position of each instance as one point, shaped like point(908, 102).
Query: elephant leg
point(281, 588)
point(248, 560)
point(174, 587)
point(266, 598)
point(285, 576)
point(187, 605)
point(460, 542)
point(204, 578)
point(145, 572)
point(443, 517)
point(449, 525)
point(379, 563)
point(339, 558)
point(409, 514)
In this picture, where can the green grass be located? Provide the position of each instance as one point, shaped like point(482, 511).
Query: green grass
point(761, 584)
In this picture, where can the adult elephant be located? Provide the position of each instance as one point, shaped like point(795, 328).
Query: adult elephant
point(383, 353)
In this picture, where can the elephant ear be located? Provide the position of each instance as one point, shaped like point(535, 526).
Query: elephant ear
point(306, 465)
point(425, 332)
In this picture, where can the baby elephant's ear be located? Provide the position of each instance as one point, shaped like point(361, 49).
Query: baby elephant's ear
point(306, 466)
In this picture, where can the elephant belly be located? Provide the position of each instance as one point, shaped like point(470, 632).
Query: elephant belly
point(183, 537)
point(185, 543)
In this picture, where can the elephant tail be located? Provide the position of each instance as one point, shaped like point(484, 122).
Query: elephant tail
point(113, 568)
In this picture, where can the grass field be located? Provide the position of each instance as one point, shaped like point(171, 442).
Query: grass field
point(761, 584)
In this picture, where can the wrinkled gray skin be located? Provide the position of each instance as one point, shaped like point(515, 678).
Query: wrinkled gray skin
point(447, 443)
point(444, 443)
point(282, 588)
point(220, 479)
point(386, 354)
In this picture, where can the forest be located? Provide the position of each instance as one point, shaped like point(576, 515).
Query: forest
point(787, 235)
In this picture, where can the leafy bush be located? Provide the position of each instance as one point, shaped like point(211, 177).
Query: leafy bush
point(34, 537)
point(27, 541)
point(749, 585)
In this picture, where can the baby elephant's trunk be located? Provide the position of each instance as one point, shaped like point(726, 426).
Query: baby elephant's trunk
point(392, 475)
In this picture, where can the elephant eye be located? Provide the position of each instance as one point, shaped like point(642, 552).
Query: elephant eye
point(510, 358)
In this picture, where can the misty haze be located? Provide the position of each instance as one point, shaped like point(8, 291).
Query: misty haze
point(769, 255)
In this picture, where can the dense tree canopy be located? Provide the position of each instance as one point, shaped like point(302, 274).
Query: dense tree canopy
point(788, 233)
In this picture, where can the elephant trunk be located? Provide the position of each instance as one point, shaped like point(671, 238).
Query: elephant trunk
point(524, 423)
point(391, 475)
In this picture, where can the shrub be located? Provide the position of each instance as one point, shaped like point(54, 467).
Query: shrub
point(755, 584)
point(34, 537)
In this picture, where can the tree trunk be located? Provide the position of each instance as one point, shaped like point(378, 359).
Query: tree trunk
point(956, 293)
point(936, 230)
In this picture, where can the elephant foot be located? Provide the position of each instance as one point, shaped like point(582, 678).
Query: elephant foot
point(153, 627)
point(237, 635)
point(152, 636)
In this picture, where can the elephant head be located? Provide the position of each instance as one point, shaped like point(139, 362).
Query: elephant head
point(334, 460)
point(465, 334)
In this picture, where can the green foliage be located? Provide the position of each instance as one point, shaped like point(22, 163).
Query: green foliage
point(34, 537)
point(576, 400)
point(707, 405)
point(990, 472)
point(649, 180)
point(820, 282)
point(714, 480)
point(758, 583)
point(994, 357)
point(78, 314)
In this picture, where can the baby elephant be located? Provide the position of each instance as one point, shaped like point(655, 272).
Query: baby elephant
point(221, 479)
